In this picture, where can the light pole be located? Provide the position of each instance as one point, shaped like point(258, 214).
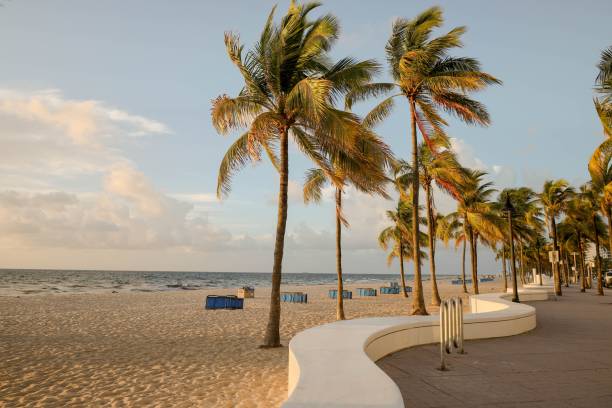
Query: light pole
point(508, 211)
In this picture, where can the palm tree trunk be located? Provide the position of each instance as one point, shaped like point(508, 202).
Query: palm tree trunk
point(539, 265)
point(435, 295)
point(474, 257)
point(556, 276)
point(418, 301)
point(272, 336)
point(564, 269)
point(339, 297)
point(504, 269)
point(522, 261)
point(582, 277)
point(463, 264)
point(401, 260)
point(600, 291)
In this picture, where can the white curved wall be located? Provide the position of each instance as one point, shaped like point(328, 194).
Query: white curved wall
point(333, 365)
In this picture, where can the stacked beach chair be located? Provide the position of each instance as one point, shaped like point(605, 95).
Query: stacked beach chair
point(231, 302)
point(366, 291)
point(346, 294)
point(294, 297)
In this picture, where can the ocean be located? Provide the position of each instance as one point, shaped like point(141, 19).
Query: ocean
point(17, 282)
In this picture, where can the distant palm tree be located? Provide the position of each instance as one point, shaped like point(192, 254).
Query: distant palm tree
point(437, 165)
point(600, 169)
point(451, 227)
point(366, 174)
point(526, 218)
point(553, 198)
point(398, 237)
point(592, 203)
point(479, 216)
point(289, 89)
point(430, 79)
point(573, 230)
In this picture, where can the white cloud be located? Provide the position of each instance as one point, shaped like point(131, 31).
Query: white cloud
point(128, 214)
point(45, 136)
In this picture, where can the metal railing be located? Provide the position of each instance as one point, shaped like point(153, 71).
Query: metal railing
point(451, 328)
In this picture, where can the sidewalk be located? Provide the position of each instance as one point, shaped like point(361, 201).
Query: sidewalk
point(565, 362)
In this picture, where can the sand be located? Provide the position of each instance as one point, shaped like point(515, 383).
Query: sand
point(160, 349)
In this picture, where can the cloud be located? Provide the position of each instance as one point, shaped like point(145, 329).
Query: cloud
point(46, 138)
point(128, 214)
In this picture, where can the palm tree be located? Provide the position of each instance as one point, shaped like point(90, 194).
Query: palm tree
point(592, 203)
point(289, 89)
point(431, 80)
point(479, 217)
point(600, 169)
point(603, 86)
point(526, 218)
point(574, 229)
point(451, 227)
point(439, 165)
point(367, 176)
point(553, 198)
point(398, 237)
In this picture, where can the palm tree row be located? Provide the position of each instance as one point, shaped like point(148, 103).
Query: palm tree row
point(293, 92)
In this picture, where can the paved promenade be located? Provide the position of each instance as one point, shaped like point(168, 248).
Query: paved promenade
point(565, 362)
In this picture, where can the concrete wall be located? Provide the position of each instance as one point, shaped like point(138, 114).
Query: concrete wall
point(333, 365)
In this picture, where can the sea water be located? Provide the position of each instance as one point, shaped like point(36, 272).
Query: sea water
point(17, 282)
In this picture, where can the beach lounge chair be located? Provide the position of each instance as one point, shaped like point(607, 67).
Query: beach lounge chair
point(294, 297)
point(246, 292)
point(366, 291)
point(460, 281)
point(223, 302)
point(346, 294)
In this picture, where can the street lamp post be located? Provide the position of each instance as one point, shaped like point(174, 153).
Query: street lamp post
point(508, 211)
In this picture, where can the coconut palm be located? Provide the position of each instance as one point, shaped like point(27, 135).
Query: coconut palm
point(592, 204)
point(288, 92)
point(451, 227)
point(603, 86)
point(526, 219)
point(431, 80)
point(479, 216)
point(574, 229)
point(437, 165)
point(553, 198)
point(398, 237)
point(600, 169)
point(367, 176)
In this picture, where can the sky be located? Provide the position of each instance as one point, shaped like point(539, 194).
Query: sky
point(108, 159)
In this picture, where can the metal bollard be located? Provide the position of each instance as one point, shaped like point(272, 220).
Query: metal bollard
point(451, 328)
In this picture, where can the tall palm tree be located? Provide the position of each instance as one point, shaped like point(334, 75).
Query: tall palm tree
point(288, 92)
point(398, 237)
point(479, 216)
point(431, 80)
point(437, 165)
point(553, 198)
point(367, 176)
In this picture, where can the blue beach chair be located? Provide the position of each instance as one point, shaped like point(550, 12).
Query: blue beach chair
point(346, 294)
point(231, 302)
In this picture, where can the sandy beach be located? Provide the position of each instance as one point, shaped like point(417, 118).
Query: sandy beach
point(161, 349)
